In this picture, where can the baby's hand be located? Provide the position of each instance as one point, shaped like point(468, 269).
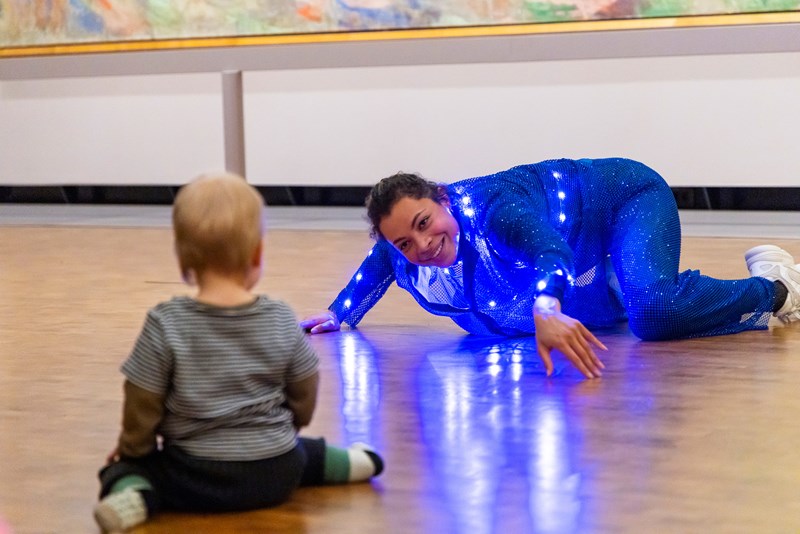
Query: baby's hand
point(113, 456)
point(321, 322)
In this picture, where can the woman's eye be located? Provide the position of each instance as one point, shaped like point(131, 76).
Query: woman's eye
point(424, 221)
point(403, 246)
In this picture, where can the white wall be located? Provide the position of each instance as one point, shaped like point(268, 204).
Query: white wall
point(110, 130)
point(716, 120)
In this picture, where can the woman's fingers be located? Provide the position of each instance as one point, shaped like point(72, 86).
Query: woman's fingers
point(323, 322)
point(544, 355)
point(578, 349)
point(591, 337)
point(568, 336)
point(326, 326)
point(588, 354)
point(587, 339)
point(309, 322)
point(579, 362)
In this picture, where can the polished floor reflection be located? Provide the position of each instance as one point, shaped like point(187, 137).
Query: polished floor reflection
point(687, 436)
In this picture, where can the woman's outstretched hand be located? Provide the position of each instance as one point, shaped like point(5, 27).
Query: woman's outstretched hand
point(321, 322)
point(554, 330)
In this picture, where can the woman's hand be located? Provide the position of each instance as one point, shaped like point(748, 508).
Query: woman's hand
point(554, 330)
point(321, 322)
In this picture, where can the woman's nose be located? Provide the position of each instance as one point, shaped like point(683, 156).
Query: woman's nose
point(423, 241)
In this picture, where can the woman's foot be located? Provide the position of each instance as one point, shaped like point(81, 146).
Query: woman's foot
point(775, 264)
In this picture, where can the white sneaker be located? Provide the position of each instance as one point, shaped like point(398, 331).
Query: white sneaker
point(120, 511)
point(774, 263)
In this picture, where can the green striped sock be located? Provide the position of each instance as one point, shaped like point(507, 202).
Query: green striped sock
point(337, 465)
point(134, 482)
point(355, 464)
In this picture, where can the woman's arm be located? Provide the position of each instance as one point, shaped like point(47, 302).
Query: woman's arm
point(364, 290)
point(535, 242)
point(519, 225)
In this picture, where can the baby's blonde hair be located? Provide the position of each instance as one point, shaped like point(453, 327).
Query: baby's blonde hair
point(217, 221)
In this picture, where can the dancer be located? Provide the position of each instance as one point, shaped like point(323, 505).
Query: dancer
point(555, 248)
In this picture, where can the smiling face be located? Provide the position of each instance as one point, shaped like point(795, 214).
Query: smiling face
point(423, 230)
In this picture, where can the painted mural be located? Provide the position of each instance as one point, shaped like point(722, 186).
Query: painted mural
point(47, 22)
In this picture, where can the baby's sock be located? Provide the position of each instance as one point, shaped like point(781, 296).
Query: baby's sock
point(126, 504)
point(355, 464)
point(134, 482)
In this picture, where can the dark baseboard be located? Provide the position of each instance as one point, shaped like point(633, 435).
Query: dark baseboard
point(720, 198)
point(113, 194)
point(738, 198)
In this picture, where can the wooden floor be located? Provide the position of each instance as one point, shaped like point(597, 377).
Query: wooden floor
point(689, 436)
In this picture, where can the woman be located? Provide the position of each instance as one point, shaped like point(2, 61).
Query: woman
point(548, 248)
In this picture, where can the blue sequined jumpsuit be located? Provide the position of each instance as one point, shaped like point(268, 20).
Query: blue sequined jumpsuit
point(603, 236)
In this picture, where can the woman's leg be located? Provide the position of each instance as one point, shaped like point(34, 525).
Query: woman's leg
point(661, 302)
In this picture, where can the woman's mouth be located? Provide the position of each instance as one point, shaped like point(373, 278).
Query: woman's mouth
point(436, 252)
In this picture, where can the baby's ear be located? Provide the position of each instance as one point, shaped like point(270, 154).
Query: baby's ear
point(258, 255)
point(189, 276)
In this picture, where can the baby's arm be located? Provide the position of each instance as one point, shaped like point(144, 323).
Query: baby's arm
point(141, 414)
point(301, 399)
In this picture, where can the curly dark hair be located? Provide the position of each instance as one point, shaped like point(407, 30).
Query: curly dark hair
point(388, 191)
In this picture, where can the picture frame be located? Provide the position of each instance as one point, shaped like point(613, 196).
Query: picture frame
point(30, 28)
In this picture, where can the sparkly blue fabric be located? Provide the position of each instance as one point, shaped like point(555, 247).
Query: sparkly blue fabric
point(601, 235)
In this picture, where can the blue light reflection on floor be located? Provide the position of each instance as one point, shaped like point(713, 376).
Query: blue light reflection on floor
point(495, 445)
point(500, 439)
point(361, 391)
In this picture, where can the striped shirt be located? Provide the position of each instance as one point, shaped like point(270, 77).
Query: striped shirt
point(223, 372)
